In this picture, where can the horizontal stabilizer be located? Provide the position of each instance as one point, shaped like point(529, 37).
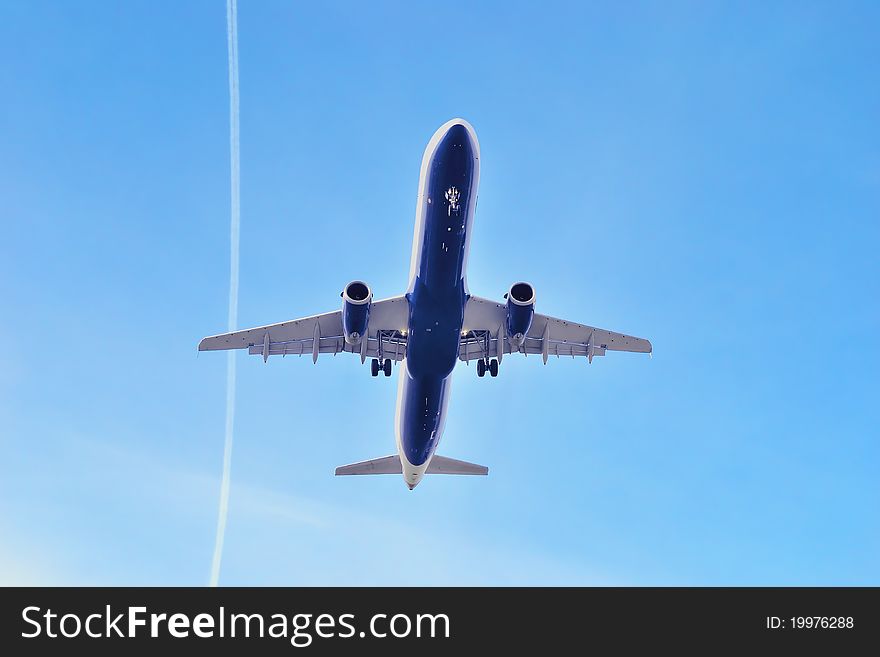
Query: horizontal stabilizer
point(391, 465)
point(384, 465)
point(443, 465)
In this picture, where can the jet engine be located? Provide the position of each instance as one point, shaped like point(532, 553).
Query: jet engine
point(356, 298)
point(520, 311)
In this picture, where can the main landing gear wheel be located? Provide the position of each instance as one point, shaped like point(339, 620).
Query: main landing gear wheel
point(374, 367)
point(485, 365)
point(387, 367)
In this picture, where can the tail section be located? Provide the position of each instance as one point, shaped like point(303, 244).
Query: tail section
point(391, 465)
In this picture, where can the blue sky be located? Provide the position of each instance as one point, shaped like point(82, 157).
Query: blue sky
point(706, 175)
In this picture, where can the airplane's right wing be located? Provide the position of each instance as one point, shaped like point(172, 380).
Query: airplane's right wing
point(322, 334)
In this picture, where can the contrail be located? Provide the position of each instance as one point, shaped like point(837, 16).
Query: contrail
point(232, 44)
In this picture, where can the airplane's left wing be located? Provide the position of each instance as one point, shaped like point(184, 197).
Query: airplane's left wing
point(484, 335)
point(322, 334)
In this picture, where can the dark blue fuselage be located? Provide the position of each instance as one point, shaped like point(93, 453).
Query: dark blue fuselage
point(438, 290)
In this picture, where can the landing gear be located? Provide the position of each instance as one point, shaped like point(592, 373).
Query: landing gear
point(377, 366)
point(485, 365)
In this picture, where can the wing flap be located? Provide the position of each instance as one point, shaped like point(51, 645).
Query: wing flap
point(393, 346)
point(473, 348)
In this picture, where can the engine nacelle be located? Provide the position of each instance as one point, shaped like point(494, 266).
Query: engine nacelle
point(520, 311)
point(356, 298)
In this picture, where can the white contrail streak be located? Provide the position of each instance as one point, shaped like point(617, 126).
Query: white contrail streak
point(235, 225)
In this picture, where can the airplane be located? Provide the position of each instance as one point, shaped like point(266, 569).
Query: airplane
point(436, 323)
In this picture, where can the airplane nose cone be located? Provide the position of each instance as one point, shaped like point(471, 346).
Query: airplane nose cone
point(457, 144)
point(454, 138)
point(458, 134)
